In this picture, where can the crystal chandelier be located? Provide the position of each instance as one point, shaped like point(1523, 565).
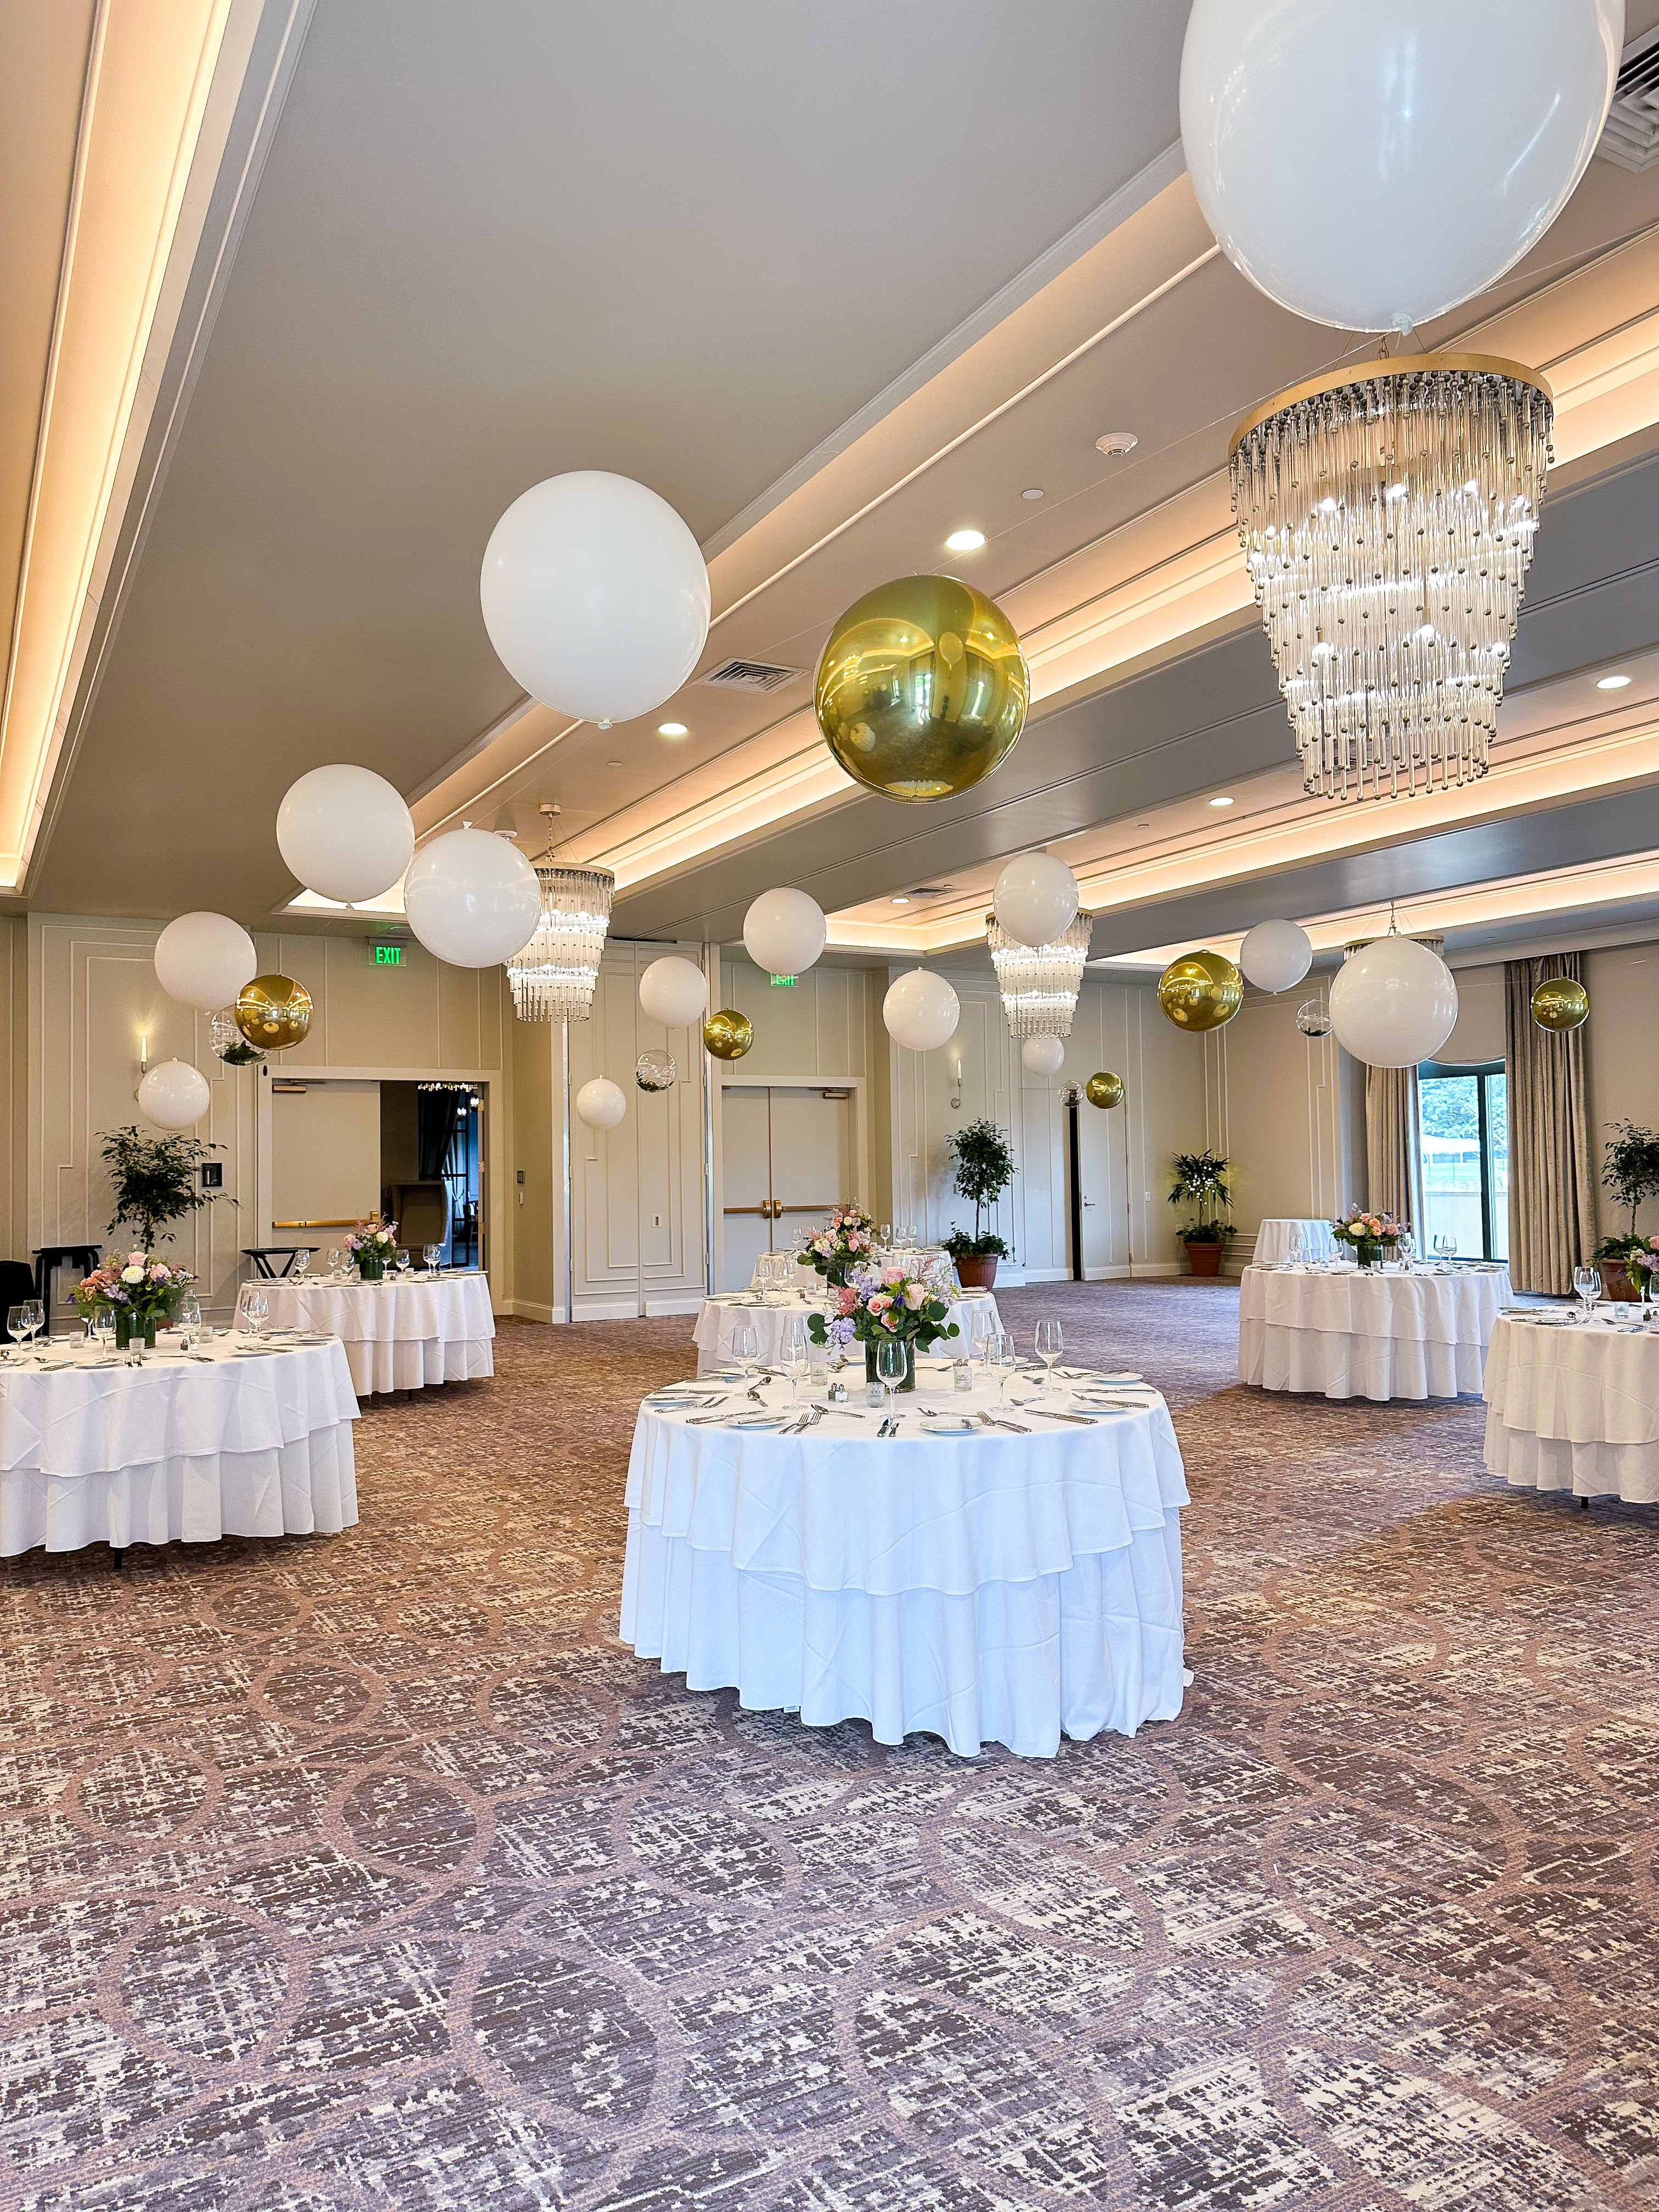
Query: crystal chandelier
point(1386, 514)
point(554, 975)
point(1039, 983)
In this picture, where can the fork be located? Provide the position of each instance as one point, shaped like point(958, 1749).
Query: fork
point(1014, 1428)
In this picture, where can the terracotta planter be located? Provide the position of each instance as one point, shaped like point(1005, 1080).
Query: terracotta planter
point(977, 1271)
point(1617, 1282)
point(1205, 1259)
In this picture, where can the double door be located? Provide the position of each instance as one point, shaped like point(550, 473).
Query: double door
point(787, 1153)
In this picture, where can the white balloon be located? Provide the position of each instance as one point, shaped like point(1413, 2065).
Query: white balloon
point(1373, 166)
point(345, 832)
point(175, 1095)
point(595, 595)
point(601, 1103)
point(1036, 898)
point(1042, 1055)
point(1393, 1003)
point(473, 898)
point(921, 1011)
point(202, 960)
point(1275, 955)
point(674, 992)
point(784, 931)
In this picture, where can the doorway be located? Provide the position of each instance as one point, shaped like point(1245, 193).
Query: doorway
point(432, 1174)
point(788, 1163)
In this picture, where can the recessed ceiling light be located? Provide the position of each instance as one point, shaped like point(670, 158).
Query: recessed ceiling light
point(901, 901)
point(670, 729)
point(1032, 491)
point(1611, 683)
point(613, 763)
point(1223, 801)
point(1116, 441)
point(965, 541)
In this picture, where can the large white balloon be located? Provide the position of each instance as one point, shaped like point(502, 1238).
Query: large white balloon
point(674, 992)
point(921, 1011)
point(175, 1095)
point(1373, 166)
point(601, 1103)
point(473, 898)
point(1036, 898)
point(1042, 1055)
point(784, 931)
point(1393, 1003)
point(595, 594)
point(345, 832)
point(1275, 955)
point(202, 960)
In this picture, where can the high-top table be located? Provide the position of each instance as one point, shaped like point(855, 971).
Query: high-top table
point(972, 1583)
point(1574, 1405)
point(406, 1333)
point(1370, 1333)
point(237, 1443)
point(728, 1309)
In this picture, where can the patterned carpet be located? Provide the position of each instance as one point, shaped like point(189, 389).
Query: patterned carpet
point(341, 1875)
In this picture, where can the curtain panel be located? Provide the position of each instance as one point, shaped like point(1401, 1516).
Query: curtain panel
point(1394, 1148)
point(1551, 1171)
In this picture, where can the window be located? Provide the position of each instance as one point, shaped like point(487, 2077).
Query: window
point(1464, 1113)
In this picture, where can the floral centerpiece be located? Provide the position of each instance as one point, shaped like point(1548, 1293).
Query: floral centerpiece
point(1371, 1235)
point(140, 1290)
point(880, 1306)
point(845, 1244)
point(373, 1246)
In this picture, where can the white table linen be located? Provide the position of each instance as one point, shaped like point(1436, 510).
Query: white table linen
point(1363, 1332)
point(718, 1316)
point(1574, 1407)
point(176, 1450)
point(983, 1586)
point(1272, 1240)
point(403, 1334)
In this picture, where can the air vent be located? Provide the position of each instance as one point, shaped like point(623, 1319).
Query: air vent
point(933, 890)
point(750, 676)
point(1630, 135)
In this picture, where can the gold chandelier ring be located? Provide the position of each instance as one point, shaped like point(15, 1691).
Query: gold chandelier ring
point(1372, 372)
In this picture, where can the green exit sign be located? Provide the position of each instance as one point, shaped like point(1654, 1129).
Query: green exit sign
point(387, 956)
point(784, 982)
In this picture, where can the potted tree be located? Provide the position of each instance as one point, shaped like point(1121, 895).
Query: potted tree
point(155, 1181)
point(1201, 1182)
point(1629, 1174)
point(984, 1168)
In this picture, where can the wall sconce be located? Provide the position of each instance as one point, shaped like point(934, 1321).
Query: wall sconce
point(956, 1078)
point(143, 1057)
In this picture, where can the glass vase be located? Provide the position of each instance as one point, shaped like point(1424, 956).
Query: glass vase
point(132, 1329)
point(370, 1270)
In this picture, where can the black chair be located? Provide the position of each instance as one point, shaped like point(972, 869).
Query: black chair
point(51, 1257)
point(263, 1255)
point(17, 1286)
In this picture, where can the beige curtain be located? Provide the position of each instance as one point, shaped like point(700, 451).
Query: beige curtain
point(1394, 1150)
point(1551, 1173)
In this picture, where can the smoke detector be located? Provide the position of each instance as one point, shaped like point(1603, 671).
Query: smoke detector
point(1114, 442)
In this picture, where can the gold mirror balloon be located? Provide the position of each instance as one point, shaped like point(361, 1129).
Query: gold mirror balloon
point(1201, 991)
point(1560, 1004)
point(1103, 1090)
point(922, 688)
point(273, 1012)
point(728, 1034)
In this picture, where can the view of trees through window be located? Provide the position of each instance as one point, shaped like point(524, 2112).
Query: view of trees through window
point(1465, 1116)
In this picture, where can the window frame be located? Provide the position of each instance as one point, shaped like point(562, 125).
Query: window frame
point(1430, 1071)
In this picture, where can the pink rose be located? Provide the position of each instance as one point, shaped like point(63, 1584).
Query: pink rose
point(893, 1274)
point(880, 1303)
point(915, 1296)
point(890, 1321)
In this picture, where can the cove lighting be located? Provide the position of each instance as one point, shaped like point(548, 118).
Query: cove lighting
point(1223, 801)
point(671, 730)
point(965, 541)
point(1611, 683)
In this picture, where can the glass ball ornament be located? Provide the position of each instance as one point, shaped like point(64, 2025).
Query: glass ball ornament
point(1312, 1019)
point(1200, 991)
point(922, 688)
point(655, 1071)
point(229, 1042)
point(1561, 1005)
point(1104, 1090)
point(273, 1012)
point(727, 1035)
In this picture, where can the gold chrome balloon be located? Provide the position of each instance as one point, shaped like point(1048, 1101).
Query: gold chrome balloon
point(273, 1012)
point(728, 1034)
point(1560, 1004)
point(1103, 1090)
point(1200, 992)
point(922, 688)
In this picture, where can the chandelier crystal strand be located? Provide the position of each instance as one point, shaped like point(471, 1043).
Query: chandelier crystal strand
point(1039, 983)
point(1386, 515)
point(554, 975)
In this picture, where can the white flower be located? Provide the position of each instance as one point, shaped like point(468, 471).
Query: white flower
point(132, 1274)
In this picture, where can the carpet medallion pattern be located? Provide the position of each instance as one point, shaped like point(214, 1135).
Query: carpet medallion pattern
point(341, 1875)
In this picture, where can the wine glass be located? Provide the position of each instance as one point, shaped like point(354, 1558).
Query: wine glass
point(103, 1325)
point(1586, 1281)
point(334, 1261)
point(188, 1321)
point(17, 1321)
point(301, 1262)
point(253, 1310)
point(403, 1259)
point(892, 1364)
point(1050, 1344)
point(1293, 1247)
point(745, 1348)
point(1002, 1359)
point(793, 1354)
point(432, 1254)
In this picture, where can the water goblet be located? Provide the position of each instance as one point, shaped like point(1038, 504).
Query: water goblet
point(432, 1254)
point(1586, 1281)
point(189, 1320)
point(793, 1355)
point(744, 1350)
point(17, 1322)
point(892, 1364)
point(1002, 1359)
point(334, 1261)
point(1293, 1247)
point(301, 1262)
point(36, 1313)
point(1050, 1342)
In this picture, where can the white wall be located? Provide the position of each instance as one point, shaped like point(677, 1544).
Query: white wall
point(1621, 1053)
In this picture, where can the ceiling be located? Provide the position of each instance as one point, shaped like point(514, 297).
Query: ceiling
point(481, 246)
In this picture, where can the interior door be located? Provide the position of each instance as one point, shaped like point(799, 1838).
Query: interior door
point(325, 1160)
point(746, 1145)
point(812, 1161)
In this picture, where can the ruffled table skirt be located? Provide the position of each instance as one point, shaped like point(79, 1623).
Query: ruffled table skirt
point(305, 1488)
point(407, 1334)
point(1574, 1409)
point(1368, 1335)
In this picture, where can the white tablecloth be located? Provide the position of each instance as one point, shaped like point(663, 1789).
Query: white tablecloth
point(1574, 1408)
point(1272, 1240)
point(176, 1451)
point(407, 1335)
point(975, 1587)
point(1365, 1334)
point(718, 1317)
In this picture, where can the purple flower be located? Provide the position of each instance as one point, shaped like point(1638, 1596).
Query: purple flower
point(842, 1329)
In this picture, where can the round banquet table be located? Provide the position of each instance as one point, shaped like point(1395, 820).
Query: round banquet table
point(1272, 1240)
point(982, 1585)
point(177, 1450)
point(1366, 1333)
point(718, 1316)
point(1575, 1406)
point(406, 1333)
